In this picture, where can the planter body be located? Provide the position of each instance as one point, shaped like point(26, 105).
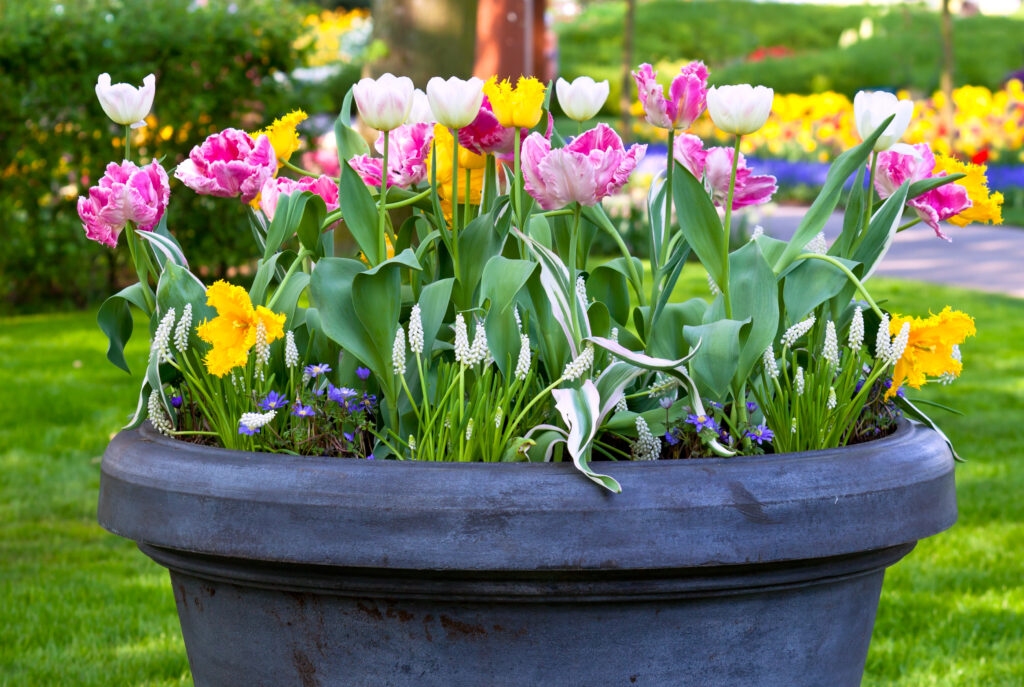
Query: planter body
point(744, 571)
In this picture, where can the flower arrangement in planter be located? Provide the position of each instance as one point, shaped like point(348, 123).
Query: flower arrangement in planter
point(473, 325)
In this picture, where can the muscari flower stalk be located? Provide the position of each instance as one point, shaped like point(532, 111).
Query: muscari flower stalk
point(794, 333)
point(469, 429)
point(250, 423)
point(412, 443)
point(398, 352)
point(770, 366)
point(712, 286)
point(416, 330)
point(647, 446)
point(463, 353)
point(184, 328)
point(161, 347)
point(579, 365)
point(882, 341)
point(498, 415)
point(830, 351)
point(899, 344)
point(758, 231)
point(157, 416)
point(818, 244)
point(832, 401)
point(581, 289)
point(798, 381)
point(949, 377)
point(622, 406)
point(856, 339)
point(792, 427)
point(291, 353)
point(479, 351)
point(262, 348)
point(523, 363)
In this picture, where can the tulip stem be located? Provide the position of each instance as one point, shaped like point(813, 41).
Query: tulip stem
point(849, 275)
point(292, 269)
point(908, 225)
point(382, 209)
point(724, 286)
point(411, 200)
point(140, 268)
point(455, 201)
point(297, 170)
point(514, 189)
point(573, 240)
point(128, 142)
point(871, 192)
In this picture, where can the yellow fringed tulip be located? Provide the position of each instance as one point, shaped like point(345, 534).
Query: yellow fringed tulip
point(233, 332)
point(929, 351)
point(521, 106)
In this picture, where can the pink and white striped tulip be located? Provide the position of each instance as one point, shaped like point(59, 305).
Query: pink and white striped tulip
point(896, 167)
point(385, 102)
point(323, 186)
point(594, 165)
point(408, 149)
point(871, 108)
point(124, 103)
point(687, 96)
point(740, 109)
point(714, 166)
point(227, 164)
point(583, 98)
point(126, 193)
point(455, 102)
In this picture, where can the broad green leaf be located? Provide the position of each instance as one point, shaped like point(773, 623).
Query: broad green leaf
point(115, 319)
point(718, 358)
point(809, 284)
point(359, 212)
point(580, 409)
point(881, 231)
point(754, 293)
point(596, 215)
point(477, 240)
point(434, 300)
point(666, 339)
point(554, 277)
point(608, 283)
point(930, 184)
point(311, 222)
point(265, 271)
point(853, 218)
point(350, 143)
point(699, 222)
point(500, 284)
point(377, 300)
point(823, 206)
point(611, 384)
point(331, 293)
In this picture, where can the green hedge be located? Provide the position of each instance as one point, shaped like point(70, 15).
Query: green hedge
point(214, 64)
point(904, 51)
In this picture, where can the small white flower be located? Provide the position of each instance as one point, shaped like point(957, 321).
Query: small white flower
point(412, 443)
point(469, 429)
point(479, 351)
point(256, 420)
point(817, 245)
point(712, 286)
point(950, 377)
point(899, 344)
point(831, 398)
point(579, 365)
point(647, 446)
point(523, 363)
point(621, 406)
point(398, 352)
point(758, 231)
point(830, 351)
point(161, 347)
point(291, 353)
point(262, 349)
point(857, 330)
point(498, 415)
point(463, 355)
point(157, 414)
point(184, 328)
point(416, 330)
point(792, 427)
point(770, 366)
point(581, 289)
point(882, 339)
point(519, 320)
point(798, 381)
point(614, 334)
point(794, 333)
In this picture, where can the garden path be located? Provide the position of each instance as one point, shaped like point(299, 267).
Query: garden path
point(987, 258)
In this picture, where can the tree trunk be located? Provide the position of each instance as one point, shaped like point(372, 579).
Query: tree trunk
point(425, 38)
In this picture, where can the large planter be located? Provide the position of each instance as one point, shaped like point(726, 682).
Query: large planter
point(744, 571)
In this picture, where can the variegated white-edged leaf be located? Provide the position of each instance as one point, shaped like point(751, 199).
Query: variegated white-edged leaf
point(673, 368)
point(165, 248)
point(580, 409)
point(611, 384)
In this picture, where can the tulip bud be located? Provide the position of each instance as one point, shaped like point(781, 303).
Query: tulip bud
point(581, 99)
point(384, 103)
point(420, 112)
point(124, 103)
point(740, 109)
point(455, 103)
point(870, 109)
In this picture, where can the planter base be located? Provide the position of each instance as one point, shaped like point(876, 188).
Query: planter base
point(794, 624)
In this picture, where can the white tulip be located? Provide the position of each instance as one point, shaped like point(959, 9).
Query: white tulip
point(455, 103)
point(124, 103)
point(871, 108)
point(420, 112)
point(583, 98)
point(740, 109)
point(384, 103)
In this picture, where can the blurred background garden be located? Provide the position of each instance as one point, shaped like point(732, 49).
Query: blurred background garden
point(79, 606)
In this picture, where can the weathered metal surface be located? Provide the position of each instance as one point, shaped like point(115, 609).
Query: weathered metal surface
point(746, 571)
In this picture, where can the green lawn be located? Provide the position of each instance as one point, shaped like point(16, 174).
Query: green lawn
point(81, 607)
